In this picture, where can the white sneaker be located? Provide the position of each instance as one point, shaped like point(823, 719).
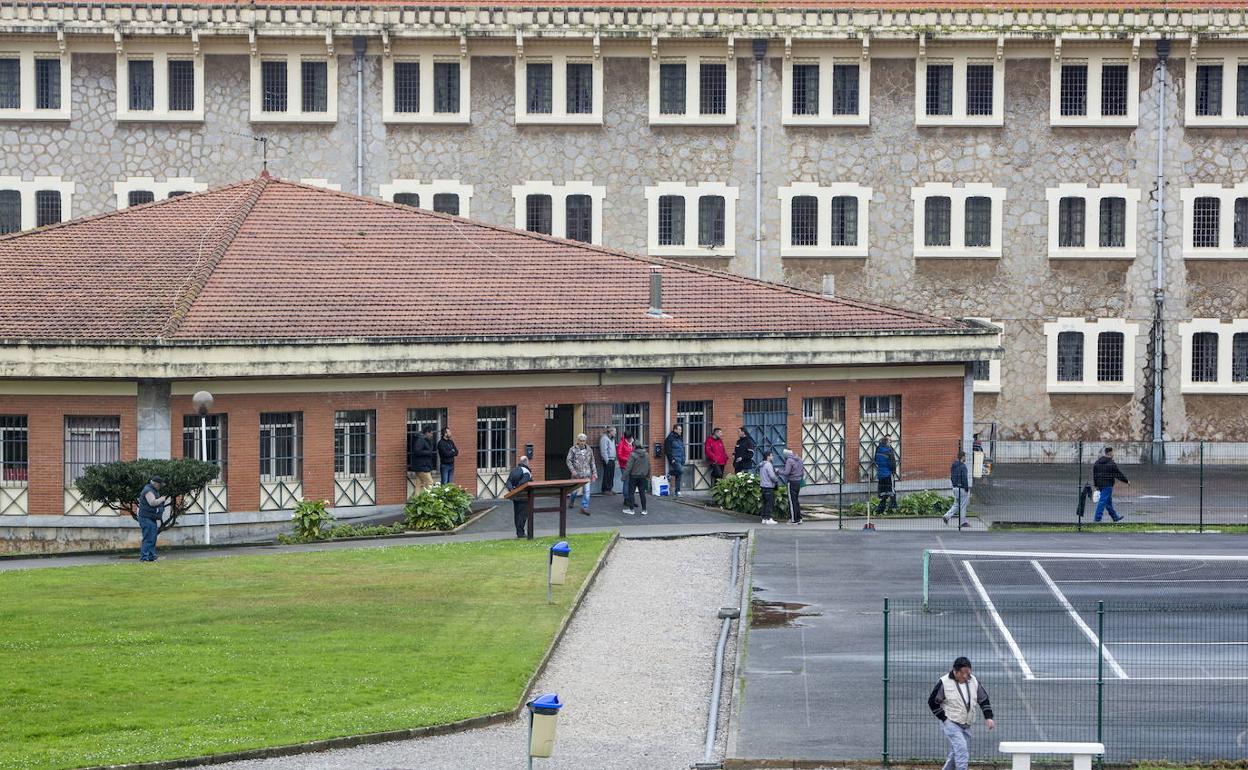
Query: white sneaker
point(769, 521)
point(628, 511)
point(643, 511)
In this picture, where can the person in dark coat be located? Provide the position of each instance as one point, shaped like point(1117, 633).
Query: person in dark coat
point(447, 452)
point(520, 475)
point(960, 480)
point(152, 506)
point(1104, 473)
point(420, 460)
point(743, 453)
point(674, 450)
point(886, 475)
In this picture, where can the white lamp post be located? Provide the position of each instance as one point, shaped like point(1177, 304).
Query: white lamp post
point(203, 404)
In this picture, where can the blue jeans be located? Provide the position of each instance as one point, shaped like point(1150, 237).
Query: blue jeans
point(1106, 503)
point(583, 493)
point(676, 471)
point(959, 738)
point(447, 471)
point(147, 549)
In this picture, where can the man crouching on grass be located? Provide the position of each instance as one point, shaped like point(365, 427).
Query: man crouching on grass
point(953, 702)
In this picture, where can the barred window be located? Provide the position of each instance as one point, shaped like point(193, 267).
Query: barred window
point(672, 88)
point(713, 88)
point(1205, 223)
point(671, 220)
point(355, 443)
point(880, 408)
point(90, 441)
point(419, 419)
point(496, 437)
point(315, 79)
point(446, 86)
point(47, 84)
point(177, 193)
point(407, 86)
point(1071, 217)
point(142, 82)
point(580, 88)
point(1239, 357)
point(804, 220)
point(281, 446)
point(579, 211)
point(139, 197)
point(446, 203)
point(1205, 357)
point(978, 221)
point(537, 213)
point(10, 84)
point(540, 79)
point(1070, 357)
point(1241, 223)
point(1241, 90)
point(844, 220)
point(193, 439)
point(1109, 352)
point(696, 417)
point(1113, 225)
point(805, 89)
point(408, 199)
point(10, 211)
point(845, 89)
point(14, 450)
point(47, 207)
point(711, 221)
point(273, 86)
point(1209, 89)
point(1073, 99)
point(823, 410)
point(981, 371)
point(181, 84)
point(1114, 87)
point(936, 220)
point(940, 89)
point(979, 89)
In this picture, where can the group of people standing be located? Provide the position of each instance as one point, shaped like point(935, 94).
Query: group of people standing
point(424, 454)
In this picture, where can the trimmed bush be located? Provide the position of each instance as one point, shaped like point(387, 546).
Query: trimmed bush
point(441, 507)
point(742, 492)
point(927, 502)
point(117, 485)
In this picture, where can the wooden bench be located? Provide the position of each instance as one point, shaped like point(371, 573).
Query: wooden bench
point(1022, 751)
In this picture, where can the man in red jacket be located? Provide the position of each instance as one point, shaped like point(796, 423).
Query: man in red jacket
point(716, 454)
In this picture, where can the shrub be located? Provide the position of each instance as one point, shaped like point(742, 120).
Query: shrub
point(442, 506)
point(311, 518)
point(347, 530)
point(117, 485)
point(742, 492)
point(927, 502)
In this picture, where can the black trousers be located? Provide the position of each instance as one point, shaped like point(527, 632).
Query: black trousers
point(520, 511)
point(795, 504)
point(717, 473)
point(635, 482)
point(888, 494)
point(608, 476)
point(769, 501)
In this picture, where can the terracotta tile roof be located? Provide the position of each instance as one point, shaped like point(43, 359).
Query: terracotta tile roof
point(268, 259)
point(760, 5)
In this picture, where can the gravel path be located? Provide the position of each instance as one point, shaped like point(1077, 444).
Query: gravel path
point(634, 669)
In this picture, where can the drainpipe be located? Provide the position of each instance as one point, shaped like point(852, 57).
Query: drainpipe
point(360, 44)
point(760, 50)
point(1159, 261)
point(667, 404)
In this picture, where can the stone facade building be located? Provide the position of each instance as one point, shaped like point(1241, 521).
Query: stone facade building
point(995, 164)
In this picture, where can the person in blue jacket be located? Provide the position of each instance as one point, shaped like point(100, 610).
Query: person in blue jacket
point(886, 475)
point(152, 507)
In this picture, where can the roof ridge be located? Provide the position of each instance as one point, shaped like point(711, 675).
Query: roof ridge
point(199, 276)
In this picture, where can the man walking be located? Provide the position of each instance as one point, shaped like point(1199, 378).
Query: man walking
point(961, 482)
point(581, 464)
point(520, 475)
point(743, 452)
point(606, 448)
point(636, 476)
point(674, 450)
point(151, 510)
point(1104, 473)
point(420, 460)
point(447, 452)
point(953, 701)
point(716, 455)
point(886, 475)
point(768, 480)
point(794, 473)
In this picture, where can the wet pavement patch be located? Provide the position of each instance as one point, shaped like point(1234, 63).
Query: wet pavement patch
point(778, 614)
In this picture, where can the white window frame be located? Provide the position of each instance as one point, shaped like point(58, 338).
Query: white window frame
point(294, 55)
point(1226, 220)
point(426, 191)
point(827, 57)
point(957, 219)
point(1092, 197)
point(160, 190)
point(26, 53)
point(691, 193)
point(1230, 57)
point(159, 53)
point(558, 204)
point(1095, 57)
point(693, 55)
point(993, 383)
point(824, 194)
point(960, 57)
point(426, 53)
point(1226, 331)
point(1091, 330)
point(28, 190)
point(321, 182)
point(558, 56)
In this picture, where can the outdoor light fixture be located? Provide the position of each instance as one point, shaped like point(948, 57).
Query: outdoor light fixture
point(202, 401)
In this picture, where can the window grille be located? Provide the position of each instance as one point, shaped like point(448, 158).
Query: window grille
point(579, 211)
point(981, 371)
point(446, 203)
point(844, 220)
point(10, 84)
point(178, 193)
point(192, 440)
point(273, 86)
point(1209, 89)
point(1113, 225)
point(713, 88)
point(580, 88)
point(14, 449)
point(47, 84)
point(142, 84)
point(90, 441)
point(940, 89)
point(671, 220)
point(937, 220)
point(139, 197)
point(1241, 90)
point(1205, 357)
point(537, 214)
point(804, 220)
point(417, 421)
point(540, 78)
point(881, 408)
point(672, 88)
point(281, 446)
point(1241, 223)
point(407, 86)
point(979, 89)
point(696, 417)
point(845, 89)
point(978, 221)
point(47, 207)
point(355, 443)
point(408, 199)
point(10, 211)
point(1239, 357)
point(1073, 99)
point(1114, 87)
point(315, 81)
point(1071, 214)
point(827, 410)
point(805, 89)
point(1109, 352)
point(711, 221)
point(1205, 222)
point(1070, 357)
point(181, 84)
point(446, 86)
point(496, 437)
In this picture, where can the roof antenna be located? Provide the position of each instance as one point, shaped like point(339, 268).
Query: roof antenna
point(264, 149)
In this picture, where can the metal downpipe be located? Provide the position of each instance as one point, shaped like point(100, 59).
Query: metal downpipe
point(760, 50)
point(360, 43)
point(1159, 257)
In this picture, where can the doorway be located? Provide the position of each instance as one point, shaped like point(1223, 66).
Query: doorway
point(560, 435)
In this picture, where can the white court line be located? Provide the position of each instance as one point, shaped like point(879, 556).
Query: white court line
point(1149, 679)
point(1188, 644)
point(996, 617)
point(1162, 580)
point(1069, 555)
point(1092, 637)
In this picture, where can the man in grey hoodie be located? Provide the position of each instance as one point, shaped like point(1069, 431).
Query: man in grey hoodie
point(768, 480)
point(793, 473)
point(636, 475)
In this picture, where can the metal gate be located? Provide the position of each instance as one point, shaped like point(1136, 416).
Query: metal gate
point(880, 418)
point(823, 439)
point(766, 420)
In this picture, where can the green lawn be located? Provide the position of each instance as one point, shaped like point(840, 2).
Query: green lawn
point(133, 662)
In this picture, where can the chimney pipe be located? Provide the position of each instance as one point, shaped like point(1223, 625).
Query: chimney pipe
point(656, 291)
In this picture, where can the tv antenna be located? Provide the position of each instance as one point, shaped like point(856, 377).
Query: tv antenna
point(264, 148)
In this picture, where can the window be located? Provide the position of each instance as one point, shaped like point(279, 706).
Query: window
point(881, 408)
point(1115, 97)
point(692, 220)
point(10, 83)
point(429, 82)
point(273, 83)
point(139, 197)
point(1205, 357)
point(1074, 90)
point(1214, 356)
point(805, 89)
point(446, 91)
point(1113, 230)
point(711, 221)
point(1217, 92)
point(178, 193)
point(355, 443)
point(1205, 228)
point(1239, 357)
point(1070, 223)
point(142, 84)
point(804, 230)
point(496, 437)
point(824, 221)
point(137, 190)
point(193, 443)
point(14, 450)
point(28, 204)
point(297, 84)
point(10, 211)
point(1209, 89)
point(696, 417)
point(580, 218)
point(672, 88)
point(47, 207)
point(1094, 86)
point(1091, 356)
point(845, 79)
point(1070, 357)
point(986, 375)
point(538, 214)
point(981, 371)
point(712, 85)
point(1240, 233)
point(1092, 222)
point(1109, 351)
point(978, 222)
point(155, 83)
point(940, 89)
point(541, 86)
point(1215, 221)
point(825, 85)
point(90, 441)
point(580, 88)
point(47, 84)
point(408, 199)
point(406, 86)
point(571, 210)
point(281, 446)
point(672, 220)
point(979, 90)
point(446, 203)
point(558, 83)
point(315, 86)
point(447, 196)
point(181, 74)
point(32, 85)
point(845, 220)
point(959, 86)
point(937, 211)
point(693, 84)
point(417, 421)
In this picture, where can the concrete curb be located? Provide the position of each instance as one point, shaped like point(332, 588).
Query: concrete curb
point(743, 640)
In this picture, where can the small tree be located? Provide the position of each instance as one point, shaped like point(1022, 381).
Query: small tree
point(118, 485)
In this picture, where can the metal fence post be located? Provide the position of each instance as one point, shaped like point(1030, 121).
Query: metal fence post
point(885, 681)
point(1201, 523)
point(1079, 462)
point(840, 487)
point(1100, 678)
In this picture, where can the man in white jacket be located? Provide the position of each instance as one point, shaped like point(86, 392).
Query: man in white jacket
point(953, 701)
